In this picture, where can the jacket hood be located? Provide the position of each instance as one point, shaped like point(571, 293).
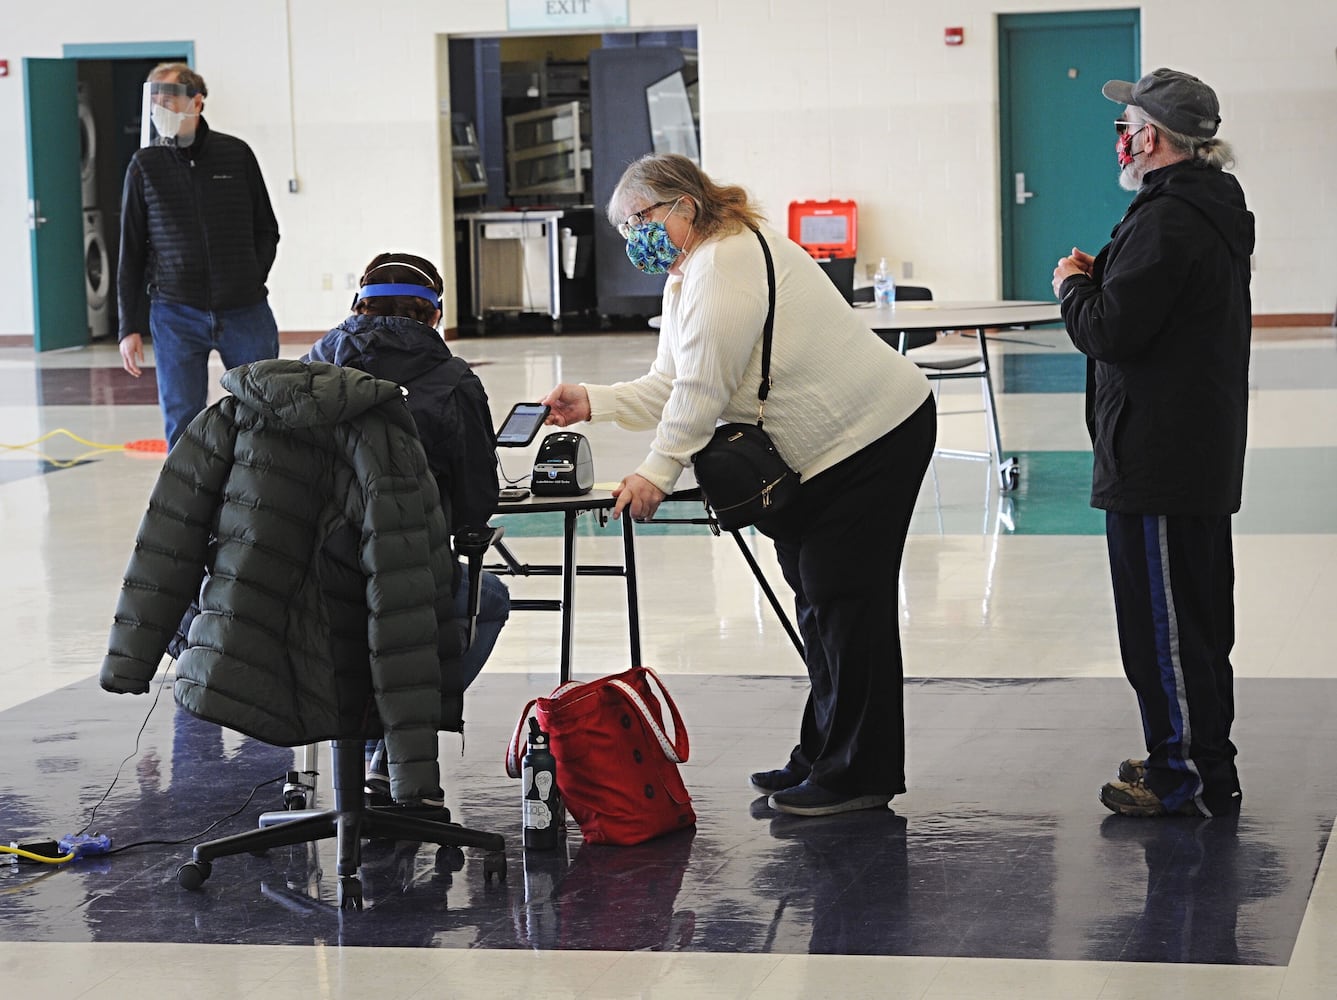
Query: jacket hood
point(403, 349)
point(1214, 193)
point(301, 394)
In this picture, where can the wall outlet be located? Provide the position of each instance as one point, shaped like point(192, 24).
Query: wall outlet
point(350, 281)
point(327, 282)
point(907, 269)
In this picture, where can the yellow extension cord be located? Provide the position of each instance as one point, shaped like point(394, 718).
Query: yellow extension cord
point(143, 446)
point(37, 857)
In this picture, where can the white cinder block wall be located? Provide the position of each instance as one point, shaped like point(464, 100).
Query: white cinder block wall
point(800, 99)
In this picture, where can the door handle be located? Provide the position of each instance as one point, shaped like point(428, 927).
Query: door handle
point(35, 218)
point(1021, 192)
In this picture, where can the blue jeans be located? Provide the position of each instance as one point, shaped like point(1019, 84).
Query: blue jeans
point(494, 607)
point(182, 339)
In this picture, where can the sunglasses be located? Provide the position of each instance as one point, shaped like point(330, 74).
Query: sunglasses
point(1122, 127)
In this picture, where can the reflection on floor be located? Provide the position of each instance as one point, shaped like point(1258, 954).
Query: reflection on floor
point(997, 875)
point(999, 850)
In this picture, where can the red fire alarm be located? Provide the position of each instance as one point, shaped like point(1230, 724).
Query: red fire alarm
point(954, 36)
point(4, 67)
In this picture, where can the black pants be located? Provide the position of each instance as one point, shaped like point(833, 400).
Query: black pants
point(839, 545)
point(1174, 582)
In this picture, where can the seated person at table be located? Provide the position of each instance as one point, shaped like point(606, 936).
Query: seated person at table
point(392, 334)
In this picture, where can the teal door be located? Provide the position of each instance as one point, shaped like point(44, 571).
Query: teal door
point(1060, 183)
point(55, 204)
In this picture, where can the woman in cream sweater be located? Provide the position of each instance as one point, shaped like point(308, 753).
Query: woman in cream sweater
point(853, 416)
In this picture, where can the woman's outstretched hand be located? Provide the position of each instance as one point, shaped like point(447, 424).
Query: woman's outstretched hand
point(569, 404)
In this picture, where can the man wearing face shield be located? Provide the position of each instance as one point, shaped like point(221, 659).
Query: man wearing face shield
point(198, 237)
point(1162, 314)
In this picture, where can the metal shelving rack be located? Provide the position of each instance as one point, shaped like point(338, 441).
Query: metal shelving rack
point(547, 153)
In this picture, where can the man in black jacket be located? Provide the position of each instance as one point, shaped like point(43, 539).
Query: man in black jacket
point(392, 335)
point(1164, 317)
point(198, 237)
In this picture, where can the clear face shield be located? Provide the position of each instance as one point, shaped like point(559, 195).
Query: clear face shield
point(169, 114)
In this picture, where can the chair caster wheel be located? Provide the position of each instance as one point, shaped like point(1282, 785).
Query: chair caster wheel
point(494, 864)
point(193, 874)
point(449, 859)
point(294, 801)
point(350, 893)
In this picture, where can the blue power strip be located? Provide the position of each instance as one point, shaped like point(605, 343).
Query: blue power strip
point(81, 845)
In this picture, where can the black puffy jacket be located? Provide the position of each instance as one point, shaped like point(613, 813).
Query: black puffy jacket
point(447, 400)
point(197, 228)
point(1165, 321)
point(325, 610)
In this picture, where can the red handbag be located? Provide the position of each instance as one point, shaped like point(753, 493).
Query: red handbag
point(616, 769)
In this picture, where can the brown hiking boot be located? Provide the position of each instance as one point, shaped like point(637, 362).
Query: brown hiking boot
point(1132, 770)
point(1135, 799)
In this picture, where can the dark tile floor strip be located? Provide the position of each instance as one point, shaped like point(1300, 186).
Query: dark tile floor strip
point(999, 849)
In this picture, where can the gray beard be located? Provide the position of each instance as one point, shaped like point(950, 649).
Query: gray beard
point(1130, 177)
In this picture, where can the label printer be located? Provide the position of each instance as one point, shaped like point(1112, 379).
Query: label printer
point(563, 467)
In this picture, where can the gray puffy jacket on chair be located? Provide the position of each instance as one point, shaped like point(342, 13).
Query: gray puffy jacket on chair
point(300, 515)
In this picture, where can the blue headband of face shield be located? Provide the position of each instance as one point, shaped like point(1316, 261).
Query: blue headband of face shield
point(417, 291)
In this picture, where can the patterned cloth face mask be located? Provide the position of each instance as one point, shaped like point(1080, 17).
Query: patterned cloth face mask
point(649, 246)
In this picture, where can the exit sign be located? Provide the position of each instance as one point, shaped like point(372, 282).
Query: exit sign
point(525, 15)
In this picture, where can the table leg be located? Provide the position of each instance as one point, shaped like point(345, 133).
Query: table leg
point(766, 589)
point(1005, 468)
point(554, 270)
point(475, 275)
point(568, 591)
point(629, 569)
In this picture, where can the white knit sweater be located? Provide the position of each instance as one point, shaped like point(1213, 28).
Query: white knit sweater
point(836, 386)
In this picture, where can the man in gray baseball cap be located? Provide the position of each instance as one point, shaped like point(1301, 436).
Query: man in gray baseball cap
point(1176, 100)
point(1162, 314)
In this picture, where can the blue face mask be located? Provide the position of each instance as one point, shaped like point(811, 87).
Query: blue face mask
point(650, 249)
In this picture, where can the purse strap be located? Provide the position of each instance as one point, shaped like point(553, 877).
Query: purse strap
point(678, 749)
point(764, 390)
point(675, 750)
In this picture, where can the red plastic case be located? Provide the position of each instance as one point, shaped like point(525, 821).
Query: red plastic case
point(825, 228)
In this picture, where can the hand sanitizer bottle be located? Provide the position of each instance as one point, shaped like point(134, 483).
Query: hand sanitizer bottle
point(884, 285)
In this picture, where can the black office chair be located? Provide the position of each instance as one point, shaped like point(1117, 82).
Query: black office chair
point(904, 293)
point(966, 364)
point(841, 272)
point(351, 820)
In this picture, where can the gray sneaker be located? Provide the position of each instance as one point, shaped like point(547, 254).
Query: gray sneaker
point(770, 782)
point(807, 799)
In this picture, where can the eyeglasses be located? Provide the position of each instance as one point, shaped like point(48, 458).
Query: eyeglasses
point(637, 220)
point(1122, 127)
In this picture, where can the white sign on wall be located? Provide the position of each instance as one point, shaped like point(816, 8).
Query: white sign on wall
point(523, 15)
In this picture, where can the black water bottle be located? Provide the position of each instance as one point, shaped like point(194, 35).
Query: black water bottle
point(542, 802)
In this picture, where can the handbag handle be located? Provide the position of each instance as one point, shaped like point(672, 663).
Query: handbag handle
point(675, 750)
point(767, 329)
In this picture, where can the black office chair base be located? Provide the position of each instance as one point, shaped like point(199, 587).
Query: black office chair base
point(349, 823)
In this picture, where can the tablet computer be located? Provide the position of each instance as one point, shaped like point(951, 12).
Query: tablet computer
point(521, 424)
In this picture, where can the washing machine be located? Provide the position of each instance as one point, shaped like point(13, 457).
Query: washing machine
point(98, 275)
point(87, 149)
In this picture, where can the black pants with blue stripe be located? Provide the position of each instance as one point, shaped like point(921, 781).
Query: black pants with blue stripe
point(1174, 582)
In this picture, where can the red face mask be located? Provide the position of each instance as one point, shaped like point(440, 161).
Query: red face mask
point(1125, 145)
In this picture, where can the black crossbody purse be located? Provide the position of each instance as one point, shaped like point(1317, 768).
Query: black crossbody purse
point(742, 476)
